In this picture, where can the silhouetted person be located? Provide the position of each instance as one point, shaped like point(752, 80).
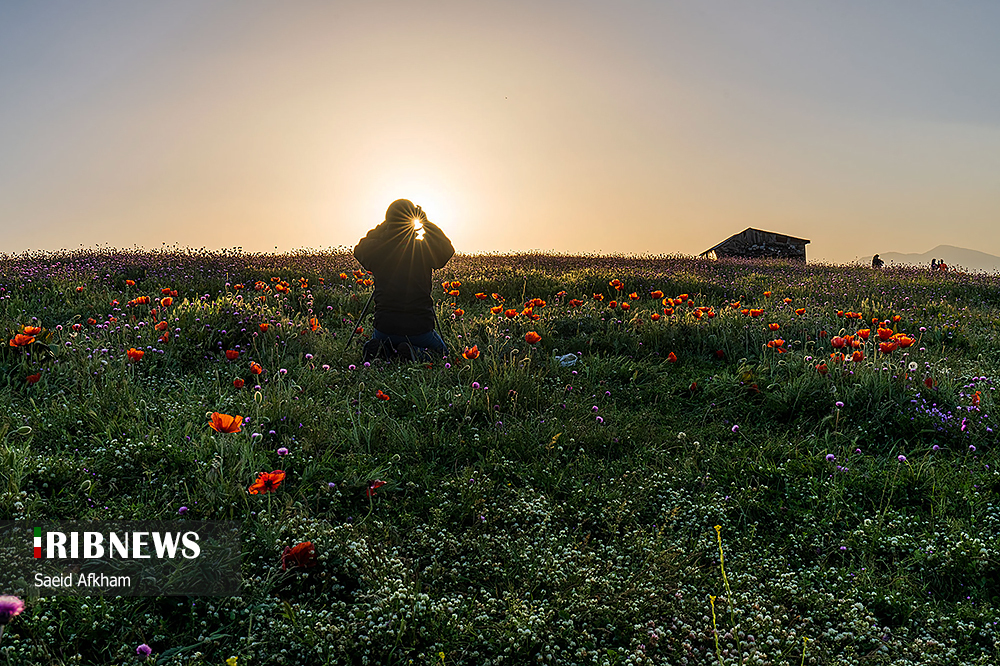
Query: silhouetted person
point(942, 266)
point(933, 265)
point(401, 253)
point(877, 263)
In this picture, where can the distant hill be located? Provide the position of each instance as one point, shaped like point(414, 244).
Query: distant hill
point(957, 257)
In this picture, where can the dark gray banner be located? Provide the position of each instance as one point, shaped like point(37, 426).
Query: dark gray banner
point(121, 558)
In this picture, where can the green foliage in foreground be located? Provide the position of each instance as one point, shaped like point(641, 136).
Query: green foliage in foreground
point(533, 511)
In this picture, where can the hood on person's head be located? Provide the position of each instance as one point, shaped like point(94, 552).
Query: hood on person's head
point(402, 211)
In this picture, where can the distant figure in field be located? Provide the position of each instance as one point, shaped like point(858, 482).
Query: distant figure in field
point(942, 266)
point(877, 263)
point(933, 265)
point(401, 253)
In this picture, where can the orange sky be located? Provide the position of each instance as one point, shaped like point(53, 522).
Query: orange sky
point(633, 127)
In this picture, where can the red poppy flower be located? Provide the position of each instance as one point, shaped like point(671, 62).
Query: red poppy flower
point(225, 422)
point(496, 309)
point(837, 342)
point(929, 382)
point(773, 326)
point(256, 369)
point(130, 283)
point(800, 311)
point(135, 354)
point(313, 324)
point(756, 312)
point(720, 353)
point(668, 311)
point(510, 314)
point(471, 353)
point(884, 333)
point(864, 333)
point(375, 485)
point(598, 297)
point(655, 316)
point(481, 296)
point(787, 301)
point(33, 379)
point(165, 337)
point(671, 357)
point(166, 301)
point(634, 296)
point(497, 297)
point(822, 369)
point(79, 290)
point(381, 395)
point(767, 294)
point(682, 297)
point(458, 312)
point(232, 354)
point(302, 555)
point(575, 303)
point(613, 304)
point(656, 294)
point(887, 347)
point(735, 305)
point(21, 340)
point(531, 337)
point(359, 330)
point(238, 383)
point(267, 482)
point(857, 356)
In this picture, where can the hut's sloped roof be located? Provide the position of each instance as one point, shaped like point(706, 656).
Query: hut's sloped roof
point(803, 241)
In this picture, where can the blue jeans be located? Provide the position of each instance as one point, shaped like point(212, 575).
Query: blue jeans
point(422, 344)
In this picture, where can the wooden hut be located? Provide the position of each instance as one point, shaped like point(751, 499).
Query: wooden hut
point(756, 244)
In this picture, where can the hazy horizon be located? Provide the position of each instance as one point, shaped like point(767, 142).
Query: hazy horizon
point(638, 128)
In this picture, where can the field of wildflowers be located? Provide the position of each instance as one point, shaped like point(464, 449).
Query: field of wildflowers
point(622, 460)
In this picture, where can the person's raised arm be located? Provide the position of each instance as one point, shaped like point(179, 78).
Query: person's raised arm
point(438, 245)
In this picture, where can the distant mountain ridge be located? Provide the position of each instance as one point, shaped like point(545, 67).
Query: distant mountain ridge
point(954, 257)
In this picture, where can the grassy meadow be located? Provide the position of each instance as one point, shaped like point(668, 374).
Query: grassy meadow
point(696, 462)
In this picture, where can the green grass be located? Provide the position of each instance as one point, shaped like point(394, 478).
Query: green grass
point(531, 512)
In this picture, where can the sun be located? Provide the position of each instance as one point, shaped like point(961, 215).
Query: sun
point(424, 190)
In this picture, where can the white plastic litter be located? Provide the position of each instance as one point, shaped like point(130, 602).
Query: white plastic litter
point(567, 360)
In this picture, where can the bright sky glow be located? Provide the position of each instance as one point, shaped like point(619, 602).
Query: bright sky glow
point(574, 126)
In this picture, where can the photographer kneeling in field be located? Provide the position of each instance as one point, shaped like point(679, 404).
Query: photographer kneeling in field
point(401, 253)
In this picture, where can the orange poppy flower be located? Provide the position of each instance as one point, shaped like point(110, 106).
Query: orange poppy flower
point(381, 395)
point(884, 333)
point(929, 382)
point(135, 354)
point(822, 369)
point(510, 314)
point(471, 352)
point(773, 326)
point(625, 306)
point(455, 284)
point(656, 294)
point(735, 305)
point(130, 283)
point(634, 296)
point(671, 357)
point(343, 276)
point(497, 297)
point(668, 311)
point(767, 294)
point(787, 301)
point(857, 356)
point(263, 327)
point(31, 330)
point(864, 333)
point(800, 311)
point(267, 482)
point(458, 312)
point(697, 313)
point(778, 345)
point(756, 312)
point(682, 297)
point(161, 326)
point(575, 303)
point(238, 383)
point(617, 284)
point(613, 304)
point(454, 292)
point(536, 303)
point(256, 369)
point(33, 379)
point(21, 340)
point(481, 296)
point(837, 357)
point(313, 324)
point(375, 485)
point(166, 301)
point(165, 337)
point(888, 347)
point(906, 341)
point(359, 330)
point(837, 342)
point(79, 290)
point(598, 297)
point(232, 354)
point(301, 555)
point(225, 422)
point(896, 318)
point(496, 309)
point(237, 286)
point(655, 316)
point(531, 337)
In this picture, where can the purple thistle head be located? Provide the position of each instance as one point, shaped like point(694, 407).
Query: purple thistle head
point(10, 607)
point(144, 650)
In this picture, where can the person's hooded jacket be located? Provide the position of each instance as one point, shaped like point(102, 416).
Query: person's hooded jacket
point(401, 259)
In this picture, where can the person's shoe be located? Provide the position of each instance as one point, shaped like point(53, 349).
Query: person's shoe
point(406, 352)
